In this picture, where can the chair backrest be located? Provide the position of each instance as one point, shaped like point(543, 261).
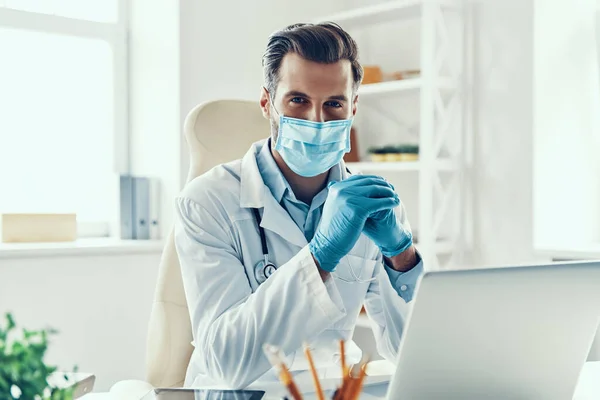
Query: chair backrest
point(216, 132)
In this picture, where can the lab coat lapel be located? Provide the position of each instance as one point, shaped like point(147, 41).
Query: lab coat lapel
point(344, 170)
point(255, 194)
point(276, 219)
point(251, 183)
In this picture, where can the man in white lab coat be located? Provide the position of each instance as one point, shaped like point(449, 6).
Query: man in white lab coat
point(333, 242)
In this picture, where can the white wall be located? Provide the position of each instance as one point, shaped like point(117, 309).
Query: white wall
point(504, 133)
point(99, 304)
point(502, 129)
point(566, 127)
point(566, 124)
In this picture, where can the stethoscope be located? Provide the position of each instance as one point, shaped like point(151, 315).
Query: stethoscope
point(265, 268)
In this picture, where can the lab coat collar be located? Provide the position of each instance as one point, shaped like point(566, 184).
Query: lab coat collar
point(343, 170)
point(252, 184)
point(255, 194)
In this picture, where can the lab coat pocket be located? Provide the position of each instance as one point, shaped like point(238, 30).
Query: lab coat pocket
point(355, 270)
point(352, 278)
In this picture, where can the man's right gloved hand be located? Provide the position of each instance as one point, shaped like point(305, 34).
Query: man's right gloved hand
point(349, 203)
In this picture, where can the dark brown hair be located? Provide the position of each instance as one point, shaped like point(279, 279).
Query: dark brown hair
point(323, 43)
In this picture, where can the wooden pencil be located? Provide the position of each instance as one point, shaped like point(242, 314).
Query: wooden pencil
point(348, 385)
point(275, 358)
point(313, 371)
point(340, 392)
point(343, 358)
point(286, 378)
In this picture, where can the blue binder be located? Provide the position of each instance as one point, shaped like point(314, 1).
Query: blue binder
point(126, 207)
point(141, 208)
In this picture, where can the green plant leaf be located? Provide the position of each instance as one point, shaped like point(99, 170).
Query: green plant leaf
point(22, 363)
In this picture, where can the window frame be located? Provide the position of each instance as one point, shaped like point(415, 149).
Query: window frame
point(115, 34)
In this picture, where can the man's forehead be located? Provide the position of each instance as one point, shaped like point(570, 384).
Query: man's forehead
point(298, 74)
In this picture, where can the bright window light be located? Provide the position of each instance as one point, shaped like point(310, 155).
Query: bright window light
point(89, 10)
point(63, 109)
point(56, 130)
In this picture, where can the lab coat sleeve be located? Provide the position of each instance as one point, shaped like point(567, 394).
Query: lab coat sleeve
point(387, 301)
point(230, 323)
point(405, 282)
point(387, 312)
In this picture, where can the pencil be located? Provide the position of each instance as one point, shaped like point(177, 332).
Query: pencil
point(276, 359)
point(343, 358)
point(313, 371)
point(288, 381)
point(342, 392)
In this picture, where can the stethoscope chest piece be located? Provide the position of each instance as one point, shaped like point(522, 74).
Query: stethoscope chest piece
point(263, 270)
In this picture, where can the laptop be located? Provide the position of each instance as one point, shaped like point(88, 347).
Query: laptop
point(81, 383)
point(499, 333)
point(496, 333)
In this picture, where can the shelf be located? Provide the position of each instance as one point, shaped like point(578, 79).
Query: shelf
point(384, 166)
point(81, 247)
point(389, 11)
point(393, 10)
point(442, 165)
point(403, 85)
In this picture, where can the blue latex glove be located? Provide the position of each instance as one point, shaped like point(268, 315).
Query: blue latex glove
point(383, 228)
point(349, 203)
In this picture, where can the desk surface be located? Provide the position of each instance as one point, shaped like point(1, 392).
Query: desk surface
point(588, 388)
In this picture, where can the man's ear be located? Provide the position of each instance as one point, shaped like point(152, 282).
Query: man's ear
point(354, 105)
point(265, 103)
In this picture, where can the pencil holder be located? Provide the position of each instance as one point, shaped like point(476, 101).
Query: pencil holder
point(350, 385)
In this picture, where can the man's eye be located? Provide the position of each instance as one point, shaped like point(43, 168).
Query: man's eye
point(335, 104)
point(298, 100)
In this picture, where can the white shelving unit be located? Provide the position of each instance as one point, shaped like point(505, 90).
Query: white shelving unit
point(369, 166)
point(406, 85)
point(439, 91)
point(393, 10)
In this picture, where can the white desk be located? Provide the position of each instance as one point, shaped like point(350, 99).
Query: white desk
point(588, 388)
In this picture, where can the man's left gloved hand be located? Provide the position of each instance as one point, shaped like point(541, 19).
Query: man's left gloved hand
point(384, 229)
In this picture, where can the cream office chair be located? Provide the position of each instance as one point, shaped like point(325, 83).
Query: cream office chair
point(216, 132)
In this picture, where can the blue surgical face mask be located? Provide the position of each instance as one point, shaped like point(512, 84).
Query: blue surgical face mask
point(312, 148)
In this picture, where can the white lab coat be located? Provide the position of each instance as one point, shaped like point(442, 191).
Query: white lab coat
point(232, 316)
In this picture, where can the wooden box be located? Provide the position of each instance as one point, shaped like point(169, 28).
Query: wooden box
point(21, 228)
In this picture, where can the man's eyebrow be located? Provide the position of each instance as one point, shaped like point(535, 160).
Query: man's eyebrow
point(296, 93)
point(339, 97)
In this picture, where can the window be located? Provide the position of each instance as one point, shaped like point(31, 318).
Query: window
point(94, 10)
point(63, 108)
